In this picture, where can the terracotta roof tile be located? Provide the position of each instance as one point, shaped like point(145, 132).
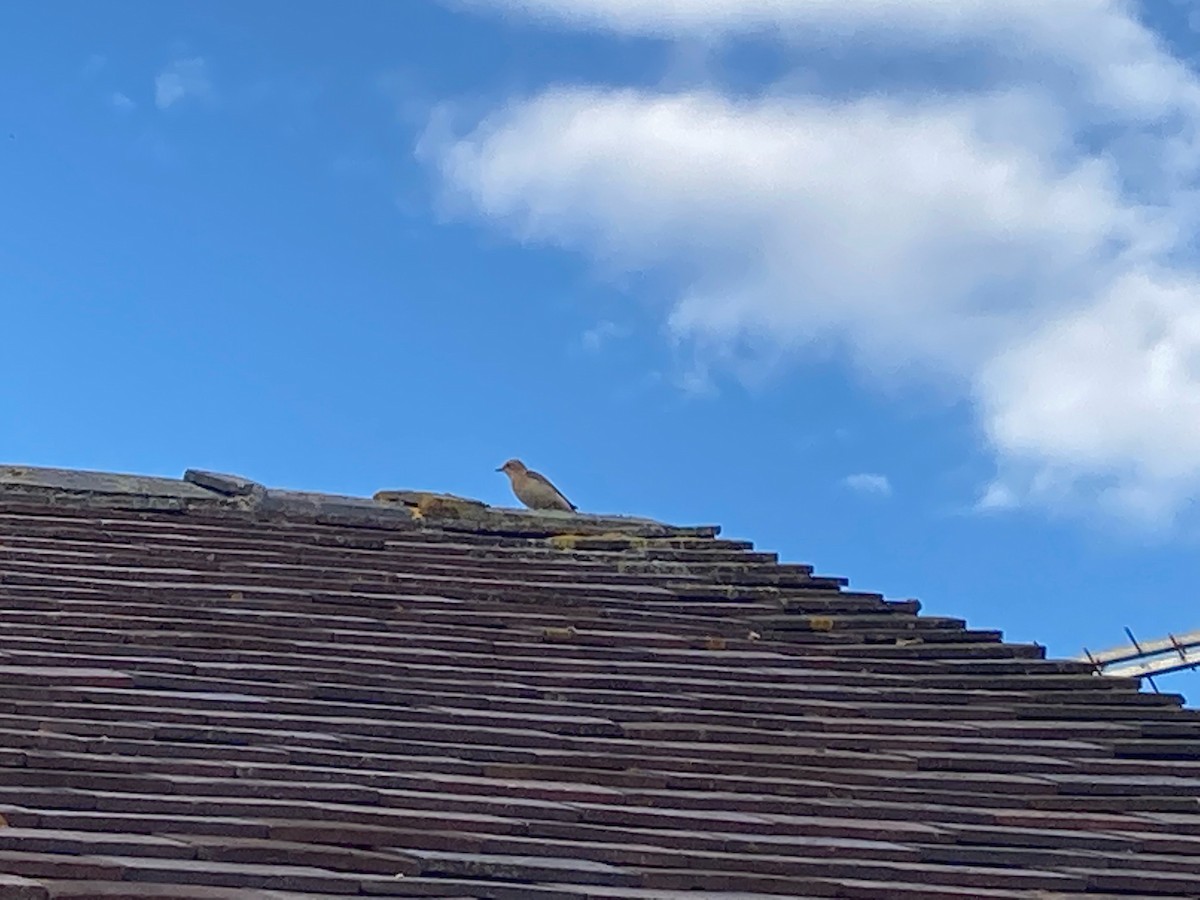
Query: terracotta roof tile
point(209, 689)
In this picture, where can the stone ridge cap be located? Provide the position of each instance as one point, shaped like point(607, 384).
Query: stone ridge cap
point(206, 491)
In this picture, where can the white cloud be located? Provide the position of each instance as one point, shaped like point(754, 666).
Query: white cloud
point(601, 333)
point(903, 228)
point(868, 483)
point(996, 496)
point(721, 17)
point(121, 102)
point(182, 79)
point(797, 220)
point(1109, 393)
point(1022, 244)
point(1100, 39)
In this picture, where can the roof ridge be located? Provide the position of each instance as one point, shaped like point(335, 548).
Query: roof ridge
point(220, 492)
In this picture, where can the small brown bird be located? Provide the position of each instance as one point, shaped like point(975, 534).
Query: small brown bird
point(534, 489)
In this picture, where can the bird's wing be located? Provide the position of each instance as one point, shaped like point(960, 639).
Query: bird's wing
point(542, 479)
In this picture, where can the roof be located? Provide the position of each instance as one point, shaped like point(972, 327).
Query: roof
point(209, 689)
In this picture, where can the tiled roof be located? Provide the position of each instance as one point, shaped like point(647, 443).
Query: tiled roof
point(213, 690)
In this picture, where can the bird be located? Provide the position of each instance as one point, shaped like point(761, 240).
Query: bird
point(534, 489)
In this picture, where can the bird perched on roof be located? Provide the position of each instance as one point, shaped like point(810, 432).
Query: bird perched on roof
point(534, 489)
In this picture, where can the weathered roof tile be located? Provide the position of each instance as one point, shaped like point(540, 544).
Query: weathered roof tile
point(211, 689)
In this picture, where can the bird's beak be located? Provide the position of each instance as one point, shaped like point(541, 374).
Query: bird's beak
point(501, 469)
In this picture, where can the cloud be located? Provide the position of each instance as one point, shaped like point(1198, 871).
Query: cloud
point(868, 483)
point(902, 229)
point(1121, 60)
point(182, 79)
point(1024, 242)
point(121, 102)
point(934, 18)
point(597, 336)
point(995, 497)
point(795, 220)
point(1109, 393)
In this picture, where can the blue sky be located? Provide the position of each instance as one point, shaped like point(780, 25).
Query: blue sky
point(908, 297)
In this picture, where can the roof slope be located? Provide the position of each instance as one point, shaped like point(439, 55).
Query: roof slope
point(212, 690)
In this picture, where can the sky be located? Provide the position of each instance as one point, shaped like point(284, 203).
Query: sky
point(907, 291)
